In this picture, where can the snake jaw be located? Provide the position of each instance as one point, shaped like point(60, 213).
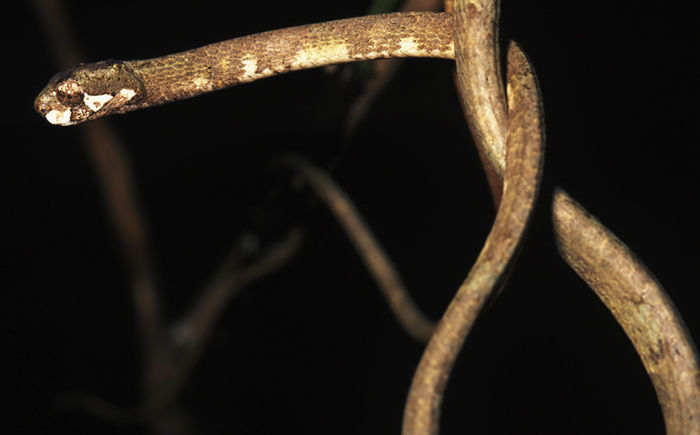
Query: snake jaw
point(88, 92)
point(73, 108)
point(62, 102)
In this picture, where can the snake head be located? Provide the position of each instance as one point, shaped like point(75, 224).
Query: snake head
point(89, 91)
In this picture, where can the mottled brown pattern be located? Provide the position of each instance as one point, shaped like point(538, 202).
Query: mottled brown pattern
point(216, 66)
point(523, 172)
point(640, 305)
point(479, 69)
point(171, 77)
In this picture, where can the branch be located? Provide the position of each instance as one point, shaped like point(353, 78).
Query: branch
point(114, 173)
point(411, 319)
point(194, 331)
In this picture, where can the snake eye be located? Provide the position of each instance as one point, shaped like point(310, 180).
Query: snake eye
point(69, 99)
point(69, 93)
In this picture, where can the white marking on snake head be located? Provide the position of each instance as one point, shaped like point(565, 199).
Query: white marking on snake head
point(59, 117)
point(95, 102)
point(127, 93)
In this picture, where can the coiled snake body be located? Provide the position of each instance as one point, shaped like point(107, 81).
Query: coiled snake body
point(92, 91)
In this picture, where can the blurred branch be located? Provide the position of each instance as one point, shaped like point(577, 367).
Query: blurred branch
point(193, 332)
point(96, 406)
point(411, 319)
point(114, 172)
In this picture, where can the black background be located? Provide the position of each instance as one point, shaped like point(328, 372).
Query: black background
point(313, 348)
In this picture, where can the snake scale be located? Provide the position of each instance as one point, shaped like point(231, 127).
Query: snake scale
point(94, 90)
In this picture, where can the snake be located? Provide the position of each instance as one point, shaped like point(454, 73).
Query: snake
point(94, 90)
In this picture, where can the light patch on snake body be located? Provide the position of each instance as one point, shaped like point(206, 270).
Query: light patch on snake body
point(250, 69)
point(320, 55)
point(202, 83)
point(410, 47)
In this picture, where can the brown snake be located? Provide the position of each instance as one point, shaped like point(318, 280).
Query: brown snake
point(94, 90)
point(638, 302)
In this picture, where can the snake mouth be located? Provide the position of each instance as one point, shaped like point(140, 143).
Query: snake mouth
point(53, 111)
point(58, 109)
point(87, 92)
point(47, 105)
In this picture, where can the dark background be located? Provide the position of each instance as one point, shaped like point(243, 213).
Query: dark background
point(313, 348)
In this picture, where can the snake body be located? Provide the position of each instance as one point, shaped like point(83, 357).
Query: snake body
point(91, 91)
